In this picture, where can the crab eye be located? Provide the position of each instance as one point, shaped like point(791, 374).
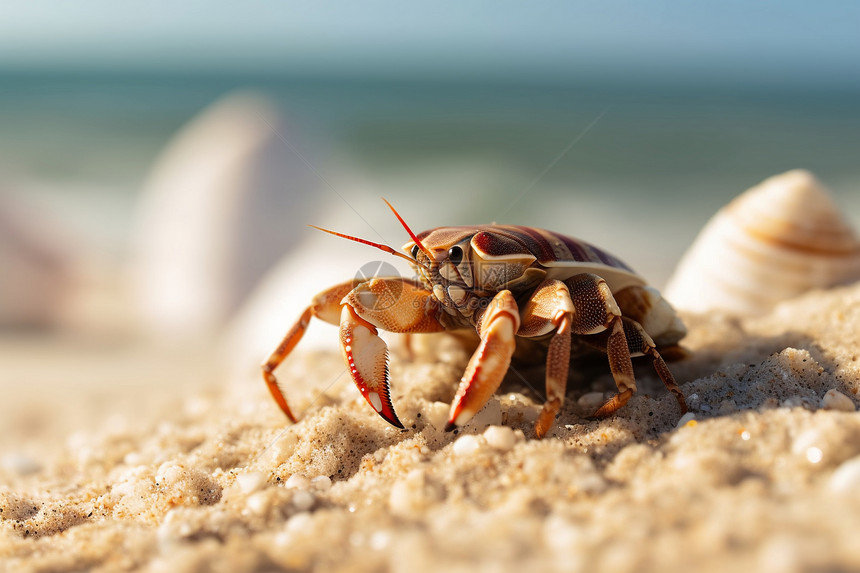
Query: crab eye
point(455, 255)
point(414, 251)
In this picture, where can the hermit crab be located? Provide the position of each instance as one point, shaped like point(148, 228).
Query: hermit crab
point(506, 283)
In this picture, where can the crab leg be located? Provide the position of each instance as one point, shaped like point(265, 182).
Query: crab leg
point(488, 365)
point(598, 312)
point(641, 344)
point(550, 307)
point(622, 370)
point(325, 306)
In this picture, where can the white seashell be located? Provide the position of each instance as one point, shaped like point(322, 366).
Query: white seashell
point(226, 199)
point(835, 400)
point(775, 241)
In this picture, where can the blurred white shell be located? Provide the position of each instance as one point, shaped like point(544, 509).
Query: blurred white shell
point(226, 199)
point(775, 241)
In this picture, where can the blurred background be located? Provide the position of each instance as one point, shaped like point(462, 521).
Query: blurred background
point(159, 164)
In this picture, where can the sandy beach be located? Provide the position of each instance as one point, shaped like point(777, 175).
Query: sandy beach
point(762, 474)
point(161, 167)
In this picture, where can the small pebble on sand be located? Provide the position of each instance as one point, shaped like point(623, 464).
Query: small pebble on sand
point(250, 482)
point(835, 400)
point(297, 481)
point(20, 463)
point(322, 483)
point(500, 437)
point(303, 500)
point(468, 445)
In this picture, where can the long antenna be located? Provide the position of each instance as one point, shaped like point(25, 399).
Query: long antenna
point(408, 230)
point(385, 248)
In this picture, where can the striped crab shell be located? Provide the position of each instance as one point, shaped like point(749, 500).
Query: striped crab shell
point(472, 263)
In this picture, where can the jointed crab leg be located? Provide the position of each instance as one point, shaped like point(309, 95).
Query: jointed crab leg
point(550, 307)
point(641, 344)
point(489, 363)
point(598, 312)
point(621, 367)
point(581, 305)
point(293, 336)
point(325, 306)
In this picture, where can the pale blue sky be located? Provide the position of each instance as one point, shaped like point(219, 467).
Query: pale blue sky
point(791, 41)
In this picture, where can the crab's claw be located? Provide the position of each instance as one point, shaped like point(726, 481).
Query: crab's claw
point(392, 304)
point(366, 357)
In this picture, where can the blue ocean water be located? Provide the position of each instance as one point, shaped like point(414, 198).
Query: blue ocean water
point(640, 165)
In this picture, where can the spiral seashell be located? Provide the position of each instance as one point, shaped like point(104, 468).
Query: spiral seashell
point(775, 241)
